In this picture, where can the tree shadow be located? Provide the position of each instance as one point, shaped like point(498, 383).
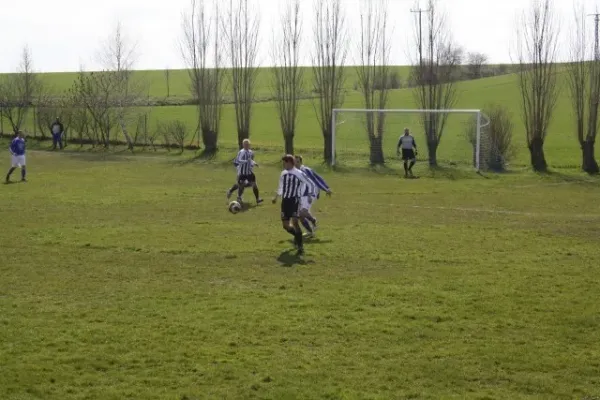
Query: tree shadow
point(451, 173)
point(289, 259)
point(560, 177)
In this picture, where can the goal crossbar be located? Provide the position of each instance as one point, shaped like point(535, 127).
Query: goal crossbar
point(477, 112)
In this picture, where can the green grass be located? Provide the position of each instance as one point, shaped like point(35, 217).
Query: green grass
point(561, 145)
point(125, 277)
point(179, 81)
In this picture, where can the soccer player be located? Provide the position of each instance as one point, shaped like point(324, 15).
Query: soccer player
point(292, 186)
point(17, 151)
point(309, 221)
point(245, 173)
point(57, 131)
point(309, 194)
point(409, 152)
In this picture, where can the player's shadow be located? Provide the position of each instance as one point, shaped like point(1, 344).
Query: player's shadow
point(288, 259)
point(312, 241)
point(247, 207)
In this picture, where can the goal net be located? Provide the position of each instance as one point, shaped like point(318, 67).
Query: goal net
point(362, 136)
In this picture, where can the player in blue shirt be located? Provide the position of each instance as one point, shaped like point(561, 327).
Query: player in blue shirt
point(17, 151)
point(319, 184)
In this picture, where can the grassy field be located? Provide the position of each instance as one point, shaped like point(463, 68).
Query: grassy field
point(125, 277)
point(352, 144)
point(179, 81)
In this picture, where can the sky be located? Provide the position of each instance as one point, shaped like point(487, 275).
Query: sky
point(66, 35)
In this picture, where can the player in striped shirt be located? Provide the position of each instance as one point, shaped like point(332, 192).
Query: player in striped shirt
point(309, 221)
point(245, 164)
point(17, 151)
point(292, 186)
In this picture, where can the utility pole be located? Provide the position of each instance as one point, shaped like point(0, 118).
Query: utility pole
point(597, 25)
point(420, 12)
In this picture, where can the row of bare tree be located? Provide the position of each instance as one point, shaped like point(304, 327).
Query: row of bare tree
point(540, 86)
point(103, 101)
point(436, 65)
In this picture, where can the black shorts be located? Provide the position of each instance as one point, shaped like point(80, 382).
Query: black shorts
point(243, 178)
point(289, 208)
point(408, 154)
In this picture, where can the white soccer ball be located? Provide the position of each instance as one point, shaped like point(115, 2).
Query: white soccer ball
point(235, 207)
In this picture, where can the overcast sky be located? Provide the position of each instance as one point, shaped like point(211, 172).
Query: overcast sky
point(66, 34)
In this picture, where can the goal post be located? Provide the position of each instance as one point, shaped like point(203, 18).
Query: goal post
point(355, 131)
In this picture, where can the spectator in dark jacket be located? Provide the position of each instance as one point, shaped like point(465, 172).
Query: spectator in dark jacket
point(57, 130)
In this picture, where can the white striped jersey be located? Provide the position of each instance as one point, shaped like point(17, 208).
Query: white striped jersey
point(310, 190)
point(245, 162)
point(292, 184)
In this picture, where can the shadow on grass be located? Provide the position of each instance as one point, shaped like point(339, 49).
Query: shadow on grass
point(308, 241)
point(316, 240)
point(247, 207)
point(560, 177)
point(288, 258)
point(94, 154)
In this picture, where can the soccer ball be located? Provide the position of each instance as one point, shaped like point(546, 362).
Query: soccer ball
point(235, 207)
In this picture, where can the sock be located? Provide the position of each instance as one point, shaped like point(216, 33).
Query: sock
point(23, 173)
point(233, 188)
point(405, 166)
point(255, 190)
point(298, 237)
point(10, 171)
point(412, 164)
point(240, 191)
point(291, 231)
point(312, 219)
point(306, 224)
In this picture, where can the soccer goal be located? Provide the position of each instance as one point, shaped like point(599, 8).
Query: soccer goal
point(367, 136)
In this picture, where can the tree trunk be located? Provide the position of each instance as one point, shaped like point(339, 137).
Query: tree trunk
point(327, 147)
point(125, 132)
point(376, 150)
point(538, 159)
point(432, 146)
point(289, 143)
point(209, 139)
point(589, 165)
point(242, 135)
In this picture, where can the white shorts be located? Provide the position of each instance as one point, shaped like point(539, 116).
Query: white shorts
point(18, 161)
point(304, 204)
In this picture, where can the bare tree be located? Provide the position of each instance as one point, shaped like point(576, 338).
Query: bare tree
point(201, 44)
point(118, 56)
point(174, 130)
point(328, 59)
point(475, 63)
point(537, 45)
point(584, 85)
point(18, 91)
point(46, 110)
point(95, 92)
point(435, 76)
point(374, 72)
point(288, 76)
point(241, 35)
point(499, 148)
